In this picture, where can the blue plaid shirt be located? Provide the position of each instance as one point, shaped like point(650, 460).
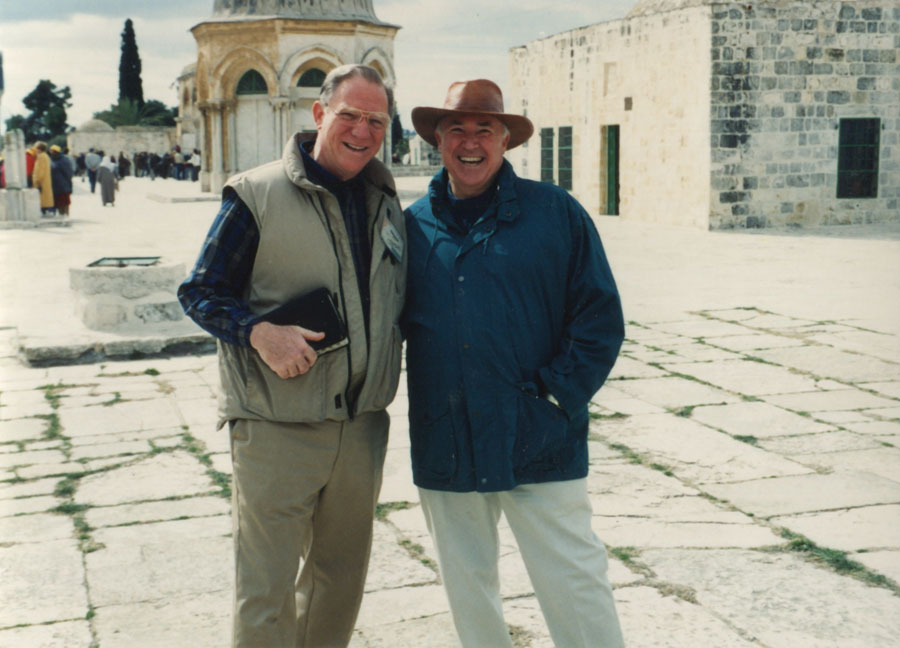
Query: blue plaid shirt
point(212, 295)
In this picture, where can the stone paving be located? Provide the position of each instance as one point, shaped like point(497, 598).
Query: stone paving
point(745, 470)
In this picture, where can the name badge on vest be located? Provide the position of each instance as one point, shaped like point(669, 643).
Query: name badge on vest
point(392, 240)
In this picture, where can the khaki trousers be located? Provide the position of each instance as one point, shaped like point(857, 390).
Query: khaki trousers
point(566, 562)
point(303, 492)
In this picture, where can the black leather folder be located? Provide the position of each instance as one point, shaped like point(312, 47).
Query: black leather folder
point(315, 311)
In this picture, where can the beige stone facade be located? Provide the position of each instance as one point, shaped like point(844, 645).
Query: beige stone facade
point(258, 71)
point(720, 114)
point(100, 136)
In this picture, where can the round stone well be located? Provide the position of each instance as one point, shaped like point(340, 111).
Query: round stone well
point(127, 292)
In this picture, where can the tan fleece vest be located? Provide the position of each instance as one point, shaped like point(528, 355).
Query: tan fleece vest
point(303, 246)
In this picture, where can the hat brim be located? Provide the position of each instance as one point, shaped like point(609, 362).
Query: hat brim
point(425, 120)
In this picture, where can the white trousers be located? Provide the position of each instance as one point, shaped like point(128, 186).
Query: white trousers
point(566, 562)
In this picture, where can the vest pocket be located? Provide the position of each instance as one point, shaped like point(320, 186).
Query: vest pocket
point(303, 398)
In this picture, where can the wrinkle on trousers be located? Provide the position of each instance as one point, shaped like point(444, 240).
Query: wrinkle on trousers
point(303, 493)
point(566, 562)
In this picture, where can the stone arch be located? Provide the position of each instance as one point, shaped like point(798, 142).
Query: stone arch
point(318, 56)
point(239, 61)
point(321, 56)
point(250, 123)
point(377, 58)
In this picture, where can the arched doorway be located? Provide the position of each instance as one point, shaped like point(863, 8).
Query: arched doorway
point(254, 122)
point(305, 94)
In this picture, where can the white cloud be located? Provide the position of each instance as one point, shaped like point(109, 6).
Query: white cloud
point(83, 53)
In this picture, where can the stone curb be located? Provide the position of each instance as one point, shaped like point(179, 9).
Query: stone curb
point(49, 355)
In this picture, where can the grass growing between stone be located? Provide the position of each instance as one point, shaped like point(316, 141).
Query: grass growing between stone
point(54, 428)
point(631, 455)
point(602, 416)
point(629, 556)
point(417, 551)
point(65, 489)
point(54, 392)
point(835, 559)
point(196, 448)
point(636, 458)
point(383, 509)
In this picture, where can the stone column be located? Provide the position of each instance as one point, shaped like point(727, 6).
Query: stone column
point(280, 107)
point(14, 147)
point(18, 204)
point(205, 158)
point(217, 164)
point(229, 120)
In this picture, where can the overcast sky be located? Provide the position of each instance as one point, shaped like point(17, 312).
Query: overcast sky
point(77, 43)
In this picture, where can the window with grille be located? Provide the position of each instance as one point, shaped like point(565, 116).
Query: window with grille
point(564, 157)
point(546, 155)
point(312, 78)
point(251, 83)
point(858, 141)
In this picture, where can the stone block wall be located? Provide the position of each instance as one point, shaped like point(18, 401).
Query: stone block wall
point(127, 139)
point(647, 75)
point(783, 75)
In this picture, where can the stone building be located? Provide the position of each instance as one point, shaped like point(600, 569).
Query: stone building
point(260, 64)
point(187, 124)
point(97, 134)
point(720, 114)
point(421, 153)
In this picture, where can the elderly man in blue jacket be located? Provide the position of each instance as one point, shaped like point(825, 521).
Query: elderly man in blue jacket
point(513, 322)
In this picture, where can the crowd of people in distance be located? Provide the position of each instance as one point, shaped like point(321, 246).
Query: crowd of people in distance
point(172, 164)
point(51, 169)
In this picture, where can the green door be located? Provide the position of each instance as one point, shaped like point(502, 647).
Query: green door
point(612, 170)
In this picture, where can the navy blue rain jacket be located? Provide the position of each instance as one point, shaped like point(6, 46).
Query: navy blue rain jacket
point(522, 304)
point(61, 174)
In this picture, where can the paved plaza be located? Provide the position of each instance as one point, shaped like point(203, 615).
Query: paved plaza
point(745, 454)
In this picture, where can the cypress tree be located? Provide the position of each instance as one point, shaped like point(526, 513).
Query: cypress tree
point(130, 86)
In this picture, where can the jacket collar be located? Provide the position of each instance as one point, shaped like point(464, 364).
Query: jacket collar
point(505, 204)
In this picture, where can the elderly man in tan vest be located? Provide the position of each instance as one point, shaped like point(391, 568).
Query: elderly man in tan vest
point(301, 279)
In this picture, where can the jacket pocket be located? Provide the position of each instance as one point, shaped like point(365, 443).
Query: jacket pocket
point(433, 441)
point(302, 398)
point(541, 431)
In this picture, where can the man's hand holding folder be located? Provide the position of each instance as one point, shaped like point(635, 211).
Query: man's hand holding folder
point(289, 348)
point(285, 348)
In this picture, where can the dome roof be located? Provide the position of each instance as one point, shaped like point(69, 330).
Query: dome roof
point(95, 126)
point(645, 7)
point(304, 9)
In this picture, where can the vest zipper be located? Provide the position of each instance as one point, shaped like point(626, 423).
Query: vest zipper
point(350, 403)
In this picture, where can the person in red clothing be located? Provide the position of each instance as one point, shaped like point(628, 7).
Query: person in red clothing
point(30, 155)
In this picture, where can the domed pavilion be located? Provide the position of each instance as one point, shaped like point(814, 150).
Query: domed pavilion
point(260, 64)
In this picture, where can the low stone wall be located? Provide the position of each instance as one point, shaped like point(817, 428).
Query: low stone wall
point(127, 139)
point(118, 297)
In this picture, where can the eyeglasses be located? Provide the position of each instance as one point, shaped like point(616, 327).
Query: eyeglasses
point(377, 121)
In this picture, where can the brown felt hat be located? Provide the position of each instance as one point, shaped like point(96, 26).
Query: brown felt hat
point(478, 97)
